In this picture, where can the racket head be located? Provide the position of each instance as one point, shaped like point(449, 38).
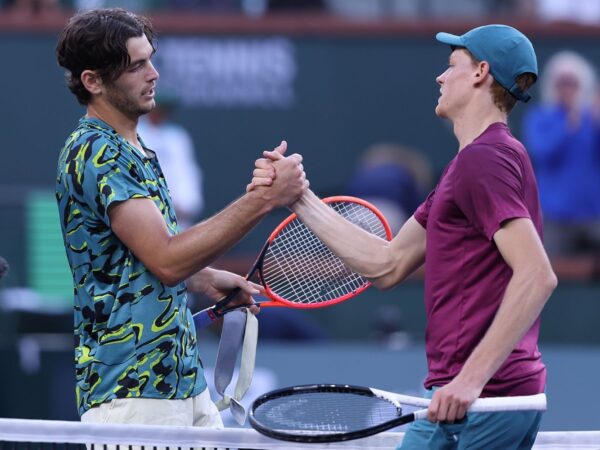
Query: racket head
point(324, 413)
point(298, 270)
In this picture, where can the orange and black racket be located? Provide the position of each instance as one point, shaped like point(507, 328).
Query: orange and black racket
point(299, 271)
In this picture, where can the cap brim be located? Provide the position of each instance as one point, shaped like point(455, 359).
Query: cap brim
point(450, 39)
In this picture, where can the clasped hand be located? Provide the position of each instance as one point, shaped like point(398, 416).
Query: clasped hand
point(282, 178)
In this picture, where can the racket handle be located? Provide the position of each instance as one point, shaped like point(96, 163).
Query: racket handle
point(207, 316)
point(500, 404)
point(535, 402)
point(421, 414)
point(225, 300)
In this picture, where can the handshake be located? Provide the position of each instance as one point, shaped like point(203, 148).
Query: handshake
point(279, 180)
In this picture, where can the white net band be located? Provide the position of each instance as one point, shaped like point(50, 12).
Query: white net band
point(57, 433)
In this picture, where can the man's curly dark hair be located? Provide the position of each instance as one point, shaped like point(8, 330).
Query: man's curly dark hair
point(97, 40)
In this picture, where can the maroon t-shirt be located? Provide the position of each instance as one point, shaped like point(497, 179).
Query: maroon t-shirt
point(489, 182)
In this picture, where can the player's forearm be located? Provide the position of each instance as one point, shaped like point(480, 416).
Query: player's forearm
point(199, 246)
point(407, 251)
point(141, 227)
point(363, 252)
point(524, 299)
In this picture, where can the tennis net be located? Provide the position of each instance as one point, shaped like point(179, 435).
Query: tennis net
point(47, 434)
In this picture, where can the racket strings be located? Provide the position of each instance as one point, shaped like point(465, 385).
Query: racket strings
point(300, 268)
point(325, 412)
point(305, 256)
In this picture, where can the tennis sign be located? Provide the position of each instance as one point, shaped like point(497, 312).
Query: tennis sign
point(227, 72)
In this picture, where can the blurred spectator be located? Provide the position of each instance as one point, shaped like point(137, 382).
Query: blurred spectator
point(3, 267)
point(295, 5)
point(581, 11)
point(175, 151)
point(563, 136)
point(431, 9)
point(395, 179)
point(218, 6)
point(27, 8)
point(514, 8)
point(374, 9)
point(260, 7)
point(131, 5)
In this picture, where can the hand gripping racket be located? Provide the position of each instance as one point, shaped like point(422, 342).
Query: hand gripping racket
point(299, 271)
point(334, 412)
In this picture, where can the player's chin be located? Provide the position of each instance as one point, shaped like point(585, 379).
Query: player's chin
point(147, 106)
point(440, 111)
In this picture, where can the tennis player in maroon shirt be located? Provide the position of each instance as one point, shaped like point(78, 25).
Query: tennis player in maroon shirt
point(487, 275)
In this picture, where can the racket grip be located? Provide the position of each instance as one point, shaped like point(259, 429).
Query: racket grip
point(207, 316)
point(421, 414)
point(517, 403)
point(225, 300)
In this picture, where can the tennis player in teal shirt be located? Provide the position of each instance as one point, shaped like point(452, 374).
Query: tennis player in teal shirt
point(136, 353)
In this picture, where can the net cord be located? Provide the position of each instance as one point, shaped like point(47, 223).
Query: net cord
point(27, 430)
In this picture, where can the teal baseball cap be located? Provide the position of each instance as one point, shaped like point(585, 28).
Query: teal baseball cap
point(508, 52)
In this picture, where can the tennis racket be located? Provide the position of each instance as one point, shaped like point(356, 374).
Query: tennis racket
point(299, 271)
point(335, 412)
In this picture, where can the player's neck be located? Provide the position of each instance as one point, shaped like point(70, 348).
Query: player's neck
point(473, 121)
point(124, 125)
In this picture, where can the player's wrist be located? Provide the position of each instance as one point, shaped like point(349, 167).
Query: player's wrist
point(474, 378)
point(200, 280)
point(303, 203)
point(261, 203)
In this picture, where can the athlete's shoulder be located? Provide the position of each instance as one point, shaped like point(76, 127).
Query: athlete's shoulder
point(477, 153)
point(496, 142)
point(491, 158)
point(93, 140)
point(97, 133)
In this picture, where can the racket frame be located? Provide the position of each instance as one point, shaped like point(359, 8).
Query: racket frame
point(219, 308)
point(299, 436)
point(280, 301)
point(491, 404)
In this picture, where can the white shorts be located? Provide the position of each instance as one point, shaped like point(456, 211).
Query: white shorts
point(198, 411)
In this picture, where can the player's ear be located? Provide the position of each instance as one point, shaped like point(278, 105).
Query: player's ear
point(92, 81)
point(482, 71)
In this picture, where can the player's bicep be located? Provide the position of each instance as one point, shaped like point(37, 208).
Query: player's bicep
point(520, 245)
point(410, 240)
point(407, 254)
point(531, 284)
point(140, 226)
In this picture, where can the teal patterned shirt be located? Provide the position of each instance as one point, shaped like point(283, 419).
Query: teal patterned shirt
point(134, 336)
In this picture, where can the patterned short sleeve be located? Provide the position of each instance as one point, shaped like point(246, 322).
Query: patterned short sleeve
point(110, 175)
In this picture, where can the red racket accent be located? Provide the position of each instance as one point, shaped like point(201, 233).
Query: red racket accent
point(299, 271)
